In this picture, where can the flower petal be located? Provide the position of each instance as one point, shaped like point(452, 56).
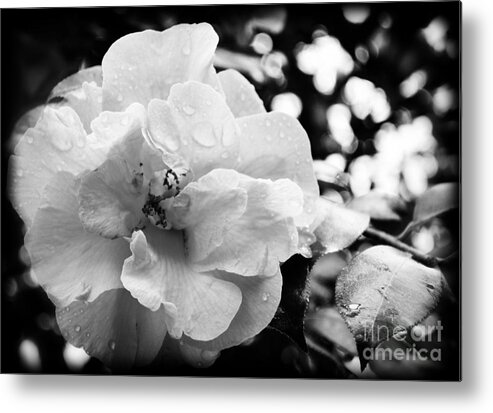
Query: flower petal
point(241, 96)
point(69, 262)
point(82, 92)
point(196, 124)
point(238, 224)
point(58, 142)
point(275, 145)
point(75, 81)
point(111, 199)
point(199, 305)
point(142, 66)
point(114, 328)
point(86, 101)
point(261, 297)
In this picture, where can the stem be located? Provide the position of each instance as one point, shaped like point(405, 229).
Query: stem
point(388, 239)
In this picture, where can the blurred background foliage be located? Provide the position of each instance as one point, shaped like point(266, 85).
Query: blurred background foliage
point(377, 88)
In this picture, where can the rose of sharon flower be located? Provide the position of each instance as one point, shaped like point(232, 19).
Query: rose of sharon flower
point(160, 199)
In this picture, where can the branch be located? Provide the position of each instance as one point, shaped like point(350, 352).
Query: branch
point(388, 239)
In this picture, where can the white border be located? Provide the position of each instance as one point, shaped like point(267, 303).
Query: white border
point(127, 394)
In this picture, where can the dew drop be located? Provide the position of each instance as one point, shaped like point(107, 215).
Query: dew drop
point(88, 335)
point(225, 155)
point(112, 345)
point(265, 297)
point(188, 110)
point(30, 139)
point(204, 135)
point(77, 329)
point(61, 142)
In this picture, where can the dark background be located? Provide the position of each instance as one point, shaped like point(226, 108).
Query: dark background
point(42, 46)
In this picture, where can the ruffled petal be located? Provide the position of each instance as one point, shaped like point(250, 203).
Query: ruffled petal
point(75, 81)
point(58, 142)
point(274, 146)
point(261, 297)
point(196, 124)
point(241, 96)
point(114, 328)
point(81, 91)
point(238, 224)
point(69, 262)
point(198, 305)
point(86, 101)
point(111, 199)
point(122, 134)
point(142, 66)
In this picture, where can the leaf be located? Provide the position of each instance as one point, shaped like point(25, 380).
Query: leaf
point(383, 292)
point(435, 201)
point(328, 323)
point(379, 206)
point(339, 228)
point(289, 318)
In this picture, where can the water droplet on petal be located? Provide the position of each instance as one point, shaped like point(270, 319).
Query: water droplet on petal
point(203, 134)
point(30, 139)
point(225, 155)
point(189, 110)
point(112, 345)
point(77, 329)
point(265, 296)
point(61, 142)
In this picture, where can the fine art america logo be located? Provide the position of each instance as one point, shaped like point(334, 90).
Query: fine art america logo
point(421, 349)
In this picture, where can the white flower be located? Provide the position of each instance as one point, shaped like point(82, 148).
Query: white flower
point(160, 199)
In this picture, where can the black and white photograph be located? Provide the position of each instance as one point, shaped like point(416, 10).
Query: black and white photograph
point(249, 190)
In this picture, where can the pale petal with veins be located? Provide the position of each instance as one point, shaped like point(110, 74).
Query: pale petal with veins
point(69, 262)
point(247, 226)
point(158, 273)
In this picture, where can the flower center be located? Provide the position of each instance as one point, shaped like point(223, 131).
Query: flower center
point(163, 187)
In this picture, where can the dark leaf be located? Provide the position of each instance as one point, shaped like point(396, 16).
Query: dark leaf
point(379, 206)
point(436, 201)
point(383, 292)
point(328, 323)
